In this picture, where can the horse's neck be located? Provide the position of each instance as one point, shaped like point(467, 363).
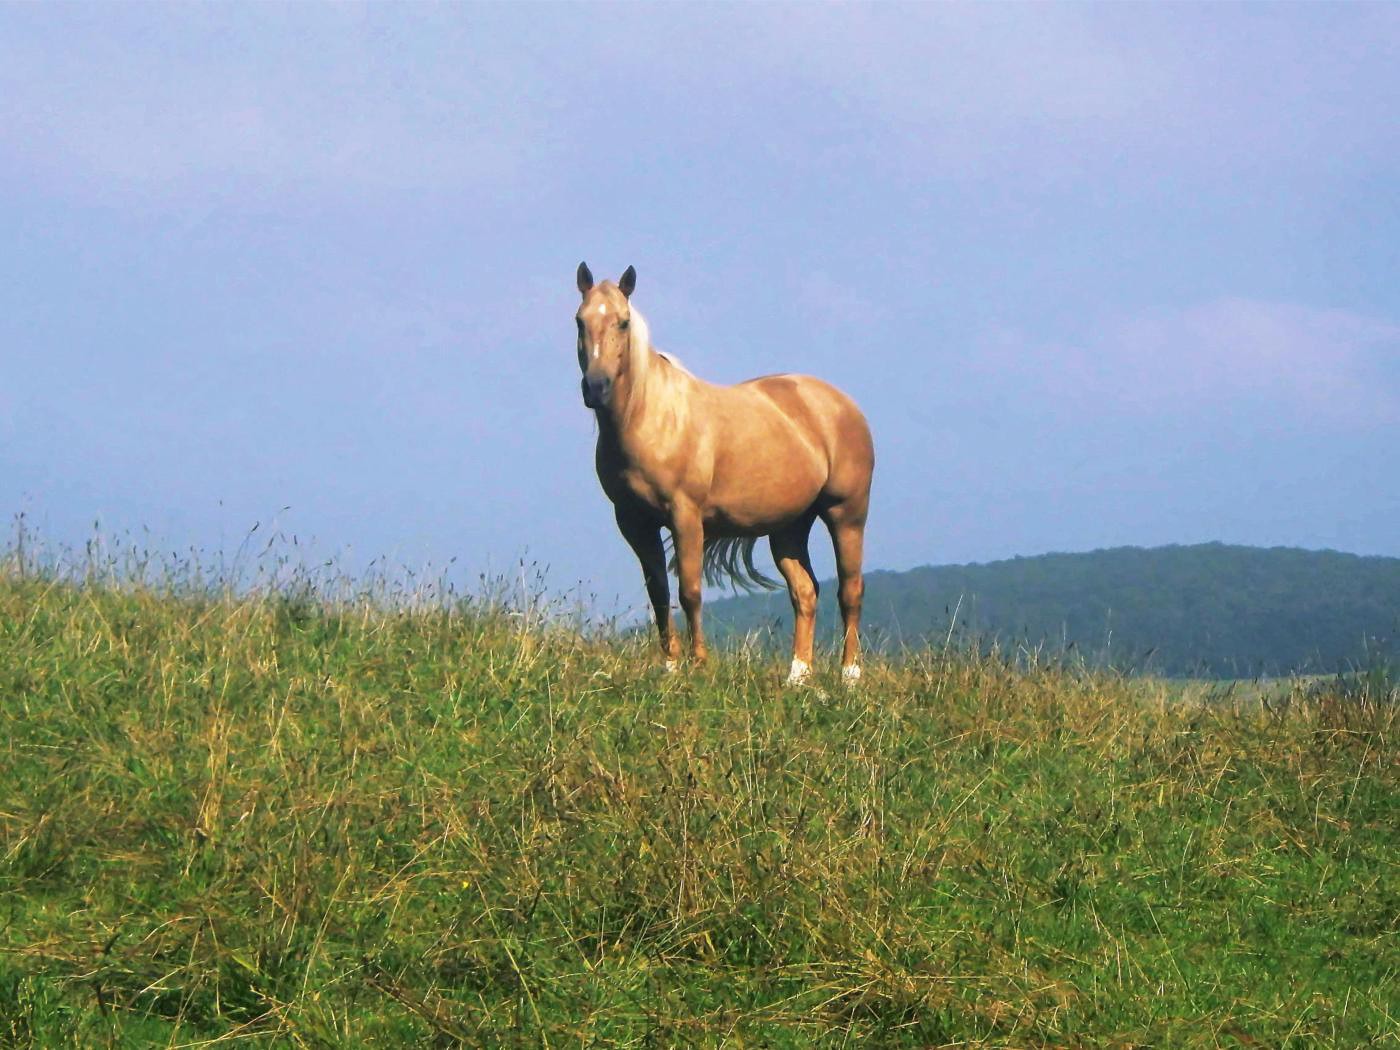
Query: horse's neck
point(653, 419)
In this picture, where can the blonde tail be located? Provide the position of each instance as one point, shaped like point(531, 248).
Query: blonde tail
point(729, 560)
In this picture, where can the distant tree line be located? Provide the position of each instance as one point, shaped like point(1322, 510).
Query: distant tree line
point(1207, 610)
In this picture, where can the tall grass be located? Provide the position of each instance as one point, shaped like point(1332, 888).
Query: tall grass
point(286, 816)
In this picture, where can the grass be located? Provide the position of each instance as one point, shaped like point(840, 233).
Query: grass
point(288, 820)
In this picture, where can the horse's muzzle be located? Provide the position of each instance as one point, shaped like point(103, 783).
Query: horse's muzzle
point(597, 390)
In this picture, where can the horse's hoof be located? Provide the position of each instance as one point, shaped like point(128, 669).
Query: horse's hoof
point(850, 676)
point(799, 673)
point(671, 666)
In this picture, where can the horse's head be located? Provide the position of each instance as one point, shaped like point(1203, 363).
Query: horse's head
point(604, 340)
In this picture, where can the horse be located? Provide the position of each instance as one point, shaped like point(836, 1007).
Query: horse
point(720, 467)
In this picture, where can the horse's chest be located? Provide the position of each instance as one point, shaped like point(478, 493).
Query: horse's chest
point(631, 485)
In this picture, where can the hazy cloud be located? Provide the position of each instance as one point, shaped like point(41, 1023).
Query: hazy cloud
point(257, 100)
point(415, 98)
point(1332, 365)
point(1047, 90)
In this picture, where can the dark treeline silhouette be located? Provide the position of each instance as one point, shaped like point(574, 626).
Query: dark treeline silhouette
point(1208, 610)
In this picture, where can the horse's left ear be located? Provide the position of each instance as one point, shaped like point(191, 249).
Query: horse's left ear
point(627, 281)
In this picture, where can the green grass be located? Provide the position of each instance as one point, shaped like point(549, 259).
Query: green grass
point(287, 821)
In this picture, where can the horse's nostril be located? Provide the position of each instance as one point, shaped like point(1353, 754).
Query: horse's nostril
point(596, 390)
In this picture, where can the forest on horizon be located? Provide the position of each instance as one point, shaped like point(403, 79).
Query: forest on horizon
point(1204, 610)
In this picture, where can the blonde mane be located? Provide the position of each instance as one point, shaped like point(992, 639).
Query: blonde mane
point(674, 361)
point(640, 344)
point(662, 382)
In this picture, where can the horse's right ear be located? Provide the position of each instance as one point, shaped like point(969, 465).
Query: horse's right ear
point(585, 278)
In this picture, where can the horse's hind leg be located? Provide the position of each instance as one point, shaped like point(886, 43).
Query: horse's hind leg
point(789, 548)
point(847, 524)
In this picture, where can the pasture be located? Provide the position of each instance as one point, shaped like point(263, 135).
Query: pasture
point(278, 820)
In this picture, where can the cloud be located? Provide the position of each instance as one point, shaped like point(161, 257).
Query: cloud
point(1043, 92)
point(366, 99)
point(183, 100)
point(1332, 366)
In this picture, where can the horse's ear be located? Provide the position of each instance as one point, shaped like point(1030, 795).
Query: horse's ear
point(627, 281)
point(585, 278)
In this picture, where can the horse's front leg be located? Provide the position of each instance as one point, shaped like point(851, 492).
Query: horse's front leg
point(644, 537)
point(688, 531)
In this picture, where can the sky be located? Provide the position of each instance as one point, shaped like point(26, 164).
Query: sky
point(1098, 275)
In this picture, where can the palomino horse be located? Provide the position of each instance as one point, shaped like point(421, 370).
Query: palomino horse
point(720, 466)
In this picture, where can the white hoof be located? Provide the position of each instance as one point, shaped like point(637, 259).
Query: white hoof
point(799, 672)
point(672, 666)
point(850, 676)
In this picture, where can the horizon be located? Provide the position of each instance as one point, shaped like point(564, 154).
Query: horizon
point(1099, 277)
point(1137, 547)
point(38, 551)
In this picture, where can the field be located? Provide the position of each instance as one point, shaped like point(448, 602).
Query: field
point(282, 820)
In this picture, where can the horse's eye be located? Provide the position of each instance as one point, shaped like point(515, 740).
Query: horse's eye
point(622, 325)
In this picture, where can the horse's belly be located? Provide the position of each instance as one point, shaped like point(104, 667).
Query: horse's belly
point(763, 496)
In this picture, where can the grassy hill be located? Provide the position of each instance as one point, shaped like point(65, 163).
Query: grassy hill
point(291, 821)
point(1208, 610)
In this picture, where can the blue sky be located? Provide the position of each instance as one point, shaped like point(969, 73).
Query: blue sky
point(1099, 275)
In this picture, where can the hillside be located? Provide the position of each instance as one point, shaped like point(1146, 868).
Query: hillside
point(282, 820)
point(1205, 610)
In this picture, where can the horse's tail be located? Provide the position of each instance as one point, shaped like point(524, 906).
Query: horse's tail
point(729, 559)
